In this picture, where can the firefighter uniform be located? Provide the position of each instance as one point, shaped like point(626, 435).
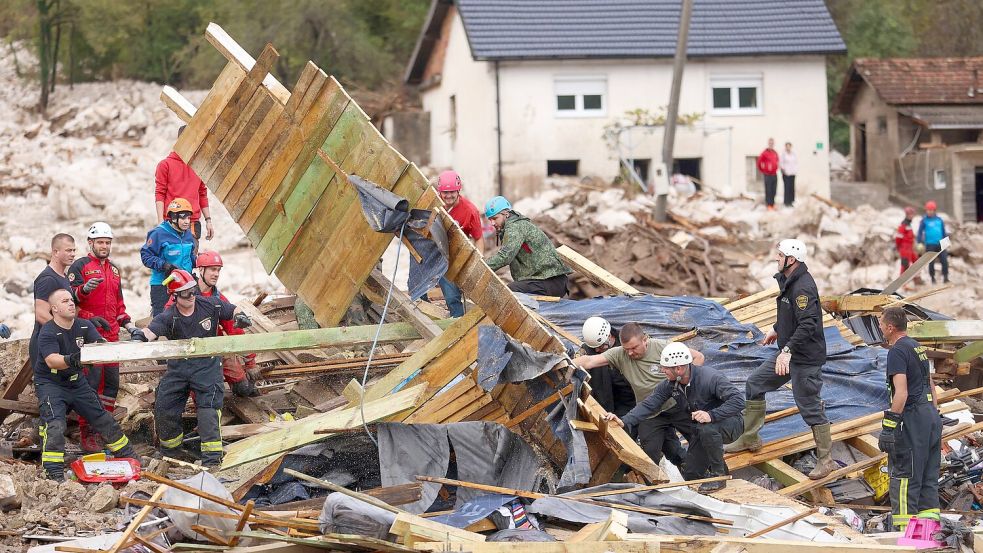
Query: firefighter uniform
point(59, 391)
point(203, 376)
point(105, 301)
point(915, 461)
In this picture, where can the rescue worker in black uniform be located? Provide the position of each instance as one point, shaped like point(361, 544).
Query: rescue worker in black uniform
point(60, 385)
point(191, 316)
point(707, 412)
point(611, 390)
point(802, 352)
point(911, 432)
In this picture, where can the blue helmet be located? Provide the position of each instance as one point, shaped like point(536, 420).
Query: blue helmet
point(496, 205)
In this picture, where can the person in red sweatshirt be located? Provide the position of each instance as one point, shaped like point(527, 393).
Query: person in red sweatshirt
point(176, 180)
point(768, 166)
point(904, 240)
point(238, 373)
point(98, 287)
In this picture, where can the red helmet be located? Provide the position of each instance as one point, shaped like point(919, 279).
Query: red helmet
point(930, 205)
point(449, 181)
point(208, 259)
point(909, 212)
point(179, 280)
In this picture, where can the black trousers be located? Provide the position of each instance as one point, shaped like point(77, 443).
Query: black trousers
point(914, 465)
point(771, 187)
point(553, 286)
point(172, 395)
point(789, 182)
point(943, 257)
point(658, 438)
point(611, 390)
point(807, 386)
point(705, 454)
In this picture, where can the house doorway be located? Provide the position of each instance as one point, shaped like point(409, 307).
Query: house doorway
point(979, 194)
point(689, 166)
point(860, 163)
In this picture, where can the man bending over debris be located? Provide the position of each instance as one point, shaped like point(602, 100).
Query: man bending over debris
point(802, 352)
point(191, 316)
point(535, 266)
point(707, 413)
point(61, 385)
point(911, 432)
point(611, 390)
point(637, 358)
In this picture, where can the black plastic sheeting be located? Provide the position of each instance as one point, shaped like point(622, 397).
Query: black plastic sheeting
point(853, 378)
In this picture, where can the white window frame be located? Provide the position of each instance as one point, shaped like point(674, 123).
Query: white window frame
point(734, 83)
point(578, 86)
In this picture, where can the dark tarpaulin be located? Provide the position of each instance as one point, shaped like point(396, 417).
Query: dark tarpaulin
point(408, 451)
point(387, 212)
point(853, 377)
point(473, 511)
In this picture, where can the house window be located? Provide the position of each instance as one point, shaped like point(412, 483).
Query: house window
point(563, 167)
point(736, 95)
point(882, 125)
point(580, 96)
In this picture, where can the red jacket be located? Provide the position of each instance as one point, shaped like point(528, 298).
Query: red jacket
point(466, 215)
point(106, 300)
point(904, 238)
point(176, 180)
point(768, 162)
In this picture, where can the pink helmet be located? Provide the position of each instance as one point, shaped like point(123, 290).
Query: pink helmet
point(449, 181)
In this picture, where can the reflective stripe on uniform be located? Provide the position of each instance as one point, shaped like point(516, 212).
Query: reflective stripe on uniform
point(52, 457)
point(119, 444)
point(173, 442)
point(888, 423)
point(902, 518)
point(211, 446)
point(933, 514)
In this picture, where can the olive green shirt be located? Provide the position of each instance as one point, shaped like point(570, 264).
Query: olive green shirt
point(643, 374)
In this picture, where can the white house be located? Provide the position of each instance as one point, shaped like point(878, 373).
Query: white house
point(516, 90)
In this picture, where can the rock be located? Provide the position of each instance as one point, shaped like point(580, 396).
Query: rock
point(103, 500)
point(9, 499)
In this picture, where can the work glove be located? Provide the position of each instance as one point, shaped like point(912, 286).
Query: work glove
point(137, 335)
point(889, 426)
point(74, 361)
point(91, 285)
point(101, 323)
point(168, 268)
point(4, 331)
point(241, 320)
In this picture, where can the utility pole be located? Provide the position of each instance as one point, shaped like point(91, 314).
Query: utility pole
point(679, 62)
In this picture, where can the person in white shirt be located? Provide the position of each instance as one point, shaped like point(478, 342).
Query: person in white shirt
point(789, 165)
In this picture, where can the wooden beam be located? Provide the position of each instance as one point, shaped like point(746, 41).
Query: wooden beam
point(969, 353)
point(535, 409)
point(595, 273)
point(787, 475)
point(422, 529)
point(229, 48)
point(381, 285)
point(262, 323)
point(855, 302)
point(289, 435)
point(664, 486)
point(177, 103)
point(865, 444)
point(782, 523)
point(946, 331)
point(116, 352)
point(706, 544)
point(615, 528)
point(12, 406)
point(542, 547)
point(137, 519)
point(583, 426)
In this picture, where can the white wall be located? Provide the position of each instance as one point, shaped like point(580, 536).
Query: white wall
point(793, 103)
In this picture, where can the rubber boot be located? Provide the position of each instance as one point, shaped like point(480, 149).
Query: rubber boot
point(824, 445)
point(754, 419)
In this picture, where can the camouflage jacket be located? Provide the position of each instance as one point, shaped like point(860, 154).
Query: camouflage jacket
point(527, 251)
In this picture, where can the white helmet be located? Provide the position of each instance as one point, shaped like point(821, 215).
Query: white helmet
point(791, 247)
point(596, 331)
point(99, 230)
point(676, 354)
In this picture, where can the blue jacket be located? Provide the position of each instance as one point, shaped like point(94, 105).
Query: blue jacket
point(931, 230)
point(165, 245)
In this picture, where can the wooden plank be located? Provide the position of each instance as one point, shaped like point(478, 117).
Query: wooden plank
point(583, 426)
point(752, 299)
point(229, 48)
point(870, 303)
point(294, 434)
point(8, 406)
point(229, 171)
point(664, 486)
point(809, 485)
point(177, 103)
point(136, 521)
point(708, 544)
point(541, 547)
point(615, 528)
point(946, 331)
point(225, 85)
point(381, 285)
point(865, 444)
point(429, 530)
point(116, 352)
point(969, 352)
point(787, 475)
point(595, 273)
point(262, 323)
point(619, 442)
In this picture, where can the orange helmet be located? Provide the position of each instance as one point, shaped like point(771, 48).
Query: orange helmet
point(178, 205)
point(208, 259)
point(179, 280)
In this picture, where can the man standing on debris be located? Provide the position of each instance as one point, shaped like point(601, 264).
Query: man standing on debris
point(535, 266)
point(707, 412)
point(174, 179)
point(637, 359)
point(911, 432)
point(768, 166)
point(240, 374)
point(61, 386)
point(99, 289)
point(191, 316)
point(789, 165)
point(802, 352)
point(611, 390)
point(931, 231)
point(169, 246)
point(465, 214)
point(904, 240)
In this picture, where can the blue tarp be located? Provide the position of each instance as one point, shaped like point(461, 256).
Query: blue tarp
point(853, 377)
